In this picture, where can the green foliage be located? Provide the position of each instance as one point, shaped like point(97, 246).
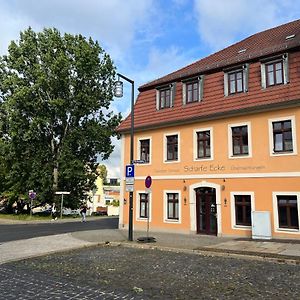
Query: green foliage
point(55, 93)
point(102, 171)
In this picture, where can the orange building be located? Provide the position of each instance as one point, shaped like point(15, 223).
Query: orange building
point(219, 139)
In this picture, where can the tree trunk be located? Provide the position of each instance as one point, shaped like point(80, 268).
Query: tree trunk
point(55, 177)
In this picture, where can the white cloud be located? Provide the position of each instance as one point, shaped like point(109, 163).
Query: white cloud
point(114, 23)
point(222, 23)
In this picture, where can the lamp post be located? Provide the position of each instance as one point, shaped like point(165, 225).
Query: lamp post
point(118, 92)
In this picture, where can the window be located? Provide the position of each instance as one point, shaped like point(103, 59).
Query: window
point(288, 215)
point(171, 148)
point(242, 204)
point(145, 150)
point(143, 205)
point(275, 71)
point(173, 206)
point(235, 83)
point(239, 140)
point(282, 135)
point(242, 210)
point(192, 90)
point(236, 80)
point(165, 96)
point(203, 144)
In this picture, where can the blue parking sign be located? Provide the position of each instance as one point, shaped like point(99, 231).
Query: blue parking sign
point(129, 170)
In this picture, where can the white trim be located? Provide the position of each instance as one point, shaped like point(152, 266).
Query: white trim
point(230, 149)
point(210, 129)
point(139, 149)
point(165, 161)
point(275, 212)
point(172, 221)
point(294, 135)
point(224, 175)
point(232, 208)
point(192, 196)
point(137, 201)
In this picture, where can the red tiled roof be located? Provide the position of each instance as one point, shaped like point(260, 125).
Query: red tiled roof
point(263, 44)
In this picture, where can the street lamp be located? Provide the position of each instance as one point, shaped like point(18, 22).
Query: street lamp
point(118, 92)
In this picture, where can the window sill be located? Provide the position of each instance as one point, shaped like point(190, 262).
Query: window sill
point(172, 221)
point(242, 227)
point(143, 219)
point(171, 161)
point(283, 153)
point(203, 159)
point(240, 156)
point(290, 230)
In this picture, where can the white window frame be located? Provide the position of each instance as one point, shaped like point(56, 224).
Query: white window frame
point(165, 161)
point(271, 138)
point(195, 144)
point(137, 211)
point(139, 149)
point(245, 70)
point(230, 148)
point(275, 212)
point(171, 221)
point(200, 80)
point(232, 208)
point(285, 64)
point(172, 87)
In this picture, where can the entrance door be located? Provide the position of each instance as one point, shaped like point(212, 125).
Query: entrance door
point(206, 210)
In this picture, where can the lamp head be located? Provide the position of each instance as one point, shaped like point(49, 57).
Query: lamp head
point(118, 89)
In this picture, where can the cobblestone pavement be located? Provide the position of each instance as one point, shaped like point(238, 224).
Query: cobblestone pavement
point(111, 272)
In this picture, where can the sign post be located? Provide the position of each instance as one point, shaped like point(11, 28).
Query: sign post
point(32, 196)
point(147, 239)
point(62, 200)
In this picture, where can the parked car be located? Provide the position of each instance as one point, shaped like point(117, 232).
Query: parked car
point(71, 212)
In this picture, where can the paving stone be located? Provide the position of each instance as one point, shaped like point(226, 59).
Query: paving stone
point(130, 273)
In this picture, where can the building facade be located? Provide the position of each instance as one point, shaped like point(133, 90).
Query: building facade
point(220, 139)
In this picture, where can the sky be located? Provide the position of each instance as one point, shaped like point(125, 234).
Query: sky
point(147, 39)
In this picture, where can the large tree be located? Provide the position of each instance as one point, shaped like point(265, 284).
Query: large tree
point(55, 95)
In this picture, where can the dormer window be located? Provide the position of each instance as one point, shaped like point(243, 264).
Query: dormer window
point(236, 80)
point(192, 90)
point(165, 96)
point(274, 71)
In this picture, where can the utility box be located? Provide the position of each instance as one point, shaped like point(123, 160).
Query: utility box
point(261, 225)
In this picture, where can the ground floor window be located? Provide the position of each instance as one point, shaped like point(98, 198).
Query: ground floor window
point(173, 206)
point(287, 207)
point(242, 210)
point(144, 205)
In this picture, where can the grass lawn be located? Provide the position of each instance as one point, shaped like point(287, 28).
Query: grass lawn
point(25, 217)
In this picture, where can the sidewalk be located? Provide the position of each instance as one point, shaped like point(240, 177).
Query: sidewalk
point(287, 250)
point(278, 251)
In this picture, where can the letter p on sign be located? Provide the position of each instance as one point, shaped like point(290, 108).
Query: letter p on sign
point(130, 171)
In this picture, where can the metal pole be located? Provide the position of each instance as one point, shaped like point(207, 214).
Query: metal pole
point(61, 206)
point(30, 207)
point(130, 227)
point(130, 222)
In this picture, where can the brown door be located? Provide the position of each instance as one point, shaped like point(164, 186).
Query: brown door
point(206, 210)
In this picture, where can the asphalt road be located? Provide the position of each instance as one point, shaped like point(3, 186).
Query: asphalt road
point(14, 232)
